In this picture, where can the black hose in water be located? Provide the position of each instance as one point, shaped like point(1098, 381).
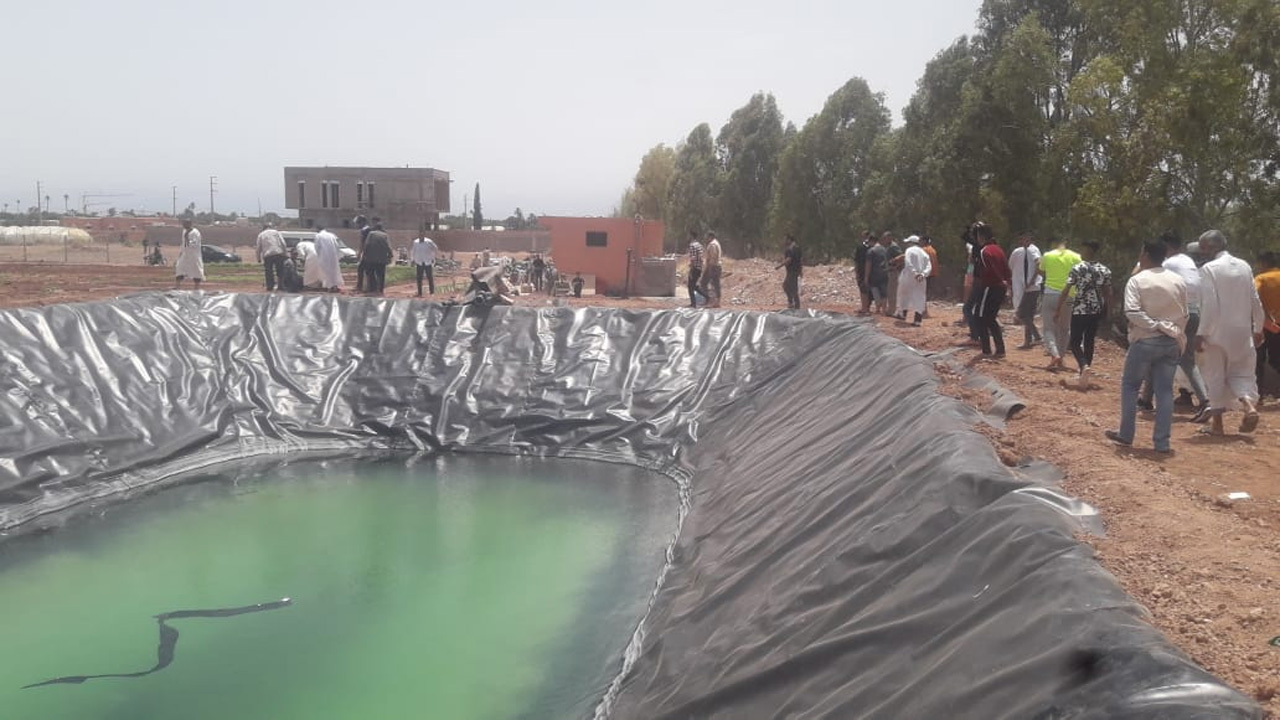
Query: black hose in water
point(169, 640)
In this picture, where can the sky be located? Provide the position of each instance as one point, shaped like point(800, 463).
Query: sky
point(549, 105)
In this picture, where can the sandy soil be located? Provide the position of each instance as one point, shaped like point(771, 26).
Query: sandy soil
point(1207, 568)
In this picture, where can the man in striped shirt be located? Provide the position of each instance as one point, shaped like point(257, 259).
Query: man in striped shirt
point(695, 267)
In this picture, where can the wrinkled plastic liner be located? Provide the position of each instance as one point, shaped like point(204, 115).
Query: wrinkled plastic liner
point(851, 548)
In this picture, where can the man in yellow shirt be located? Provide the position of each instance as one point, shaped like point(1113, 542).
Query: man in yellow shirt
point(1055, 266)
point(1268, 284)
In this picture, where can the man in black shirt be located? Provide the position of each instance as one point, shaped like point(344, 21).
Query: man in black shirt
point(792, 262)
point(860, 270)
point(877, 272)
point(362, 223)
point(537, 269)
point(375, 258)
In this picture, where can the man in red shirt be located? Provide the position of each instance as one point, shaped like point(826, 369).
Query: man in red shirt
point(992, 276)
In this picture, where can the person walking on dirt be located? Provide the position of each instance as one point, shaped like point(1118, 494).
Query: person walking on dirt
point(791, 260)
point(190, 257)
point(423, 257)
point(1268, 284)
point(695, 268)
point(1231, 326)
point(1155, 303)
point(576, 284)
point(1024, 262)
point(877, 273)
point(712, 271)
point(1055, 266)
point(376, 257)
point(272, 251)
point(1091, 281)
point(913, 279)
point(991, 278)
point(1185, 266)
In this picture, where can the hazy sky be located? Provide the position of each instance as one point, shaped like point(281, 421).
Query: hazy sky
point(548, 104)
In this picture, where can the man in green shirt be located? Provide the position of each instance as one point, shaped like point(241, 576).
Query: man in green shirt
point(1055, 267)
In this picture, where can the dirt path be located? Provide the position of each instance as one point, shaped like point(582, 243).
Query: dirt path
point(1208, 569)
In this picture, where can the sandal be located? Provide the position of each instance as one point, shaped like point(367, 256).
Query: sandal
point(1250, 422)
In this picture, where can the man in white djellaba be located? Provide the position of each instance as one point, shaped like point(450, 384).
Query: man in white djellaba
point(912, 287)
point(328, 260)
point(1231, 321)
point(310, 265)
point(190, 259)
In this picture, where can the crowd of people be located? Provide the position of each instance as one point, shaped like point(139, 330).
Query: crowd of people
point(1196, 309)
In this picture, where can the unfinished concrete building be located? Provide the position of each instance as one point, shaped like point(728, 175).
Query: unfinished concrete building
point(405, 198)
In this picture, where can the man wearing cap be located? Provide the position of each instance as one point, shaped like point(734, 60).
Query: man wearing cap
point(1231, 325)
point(1024, 262)
point(915, 273)
point(271, 251)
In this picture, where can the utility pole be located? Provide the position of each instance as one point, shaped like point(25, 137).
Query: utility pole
point(66, 203)
point(213, 183)
point(175, 201)
point(465, 197)
point(39, 208)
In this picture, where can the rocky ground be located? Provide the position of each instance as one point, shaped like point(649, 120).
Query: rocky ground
point(1207, 568)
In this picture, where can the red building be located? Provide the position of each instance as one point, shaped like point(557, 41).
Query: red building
point(608, 248)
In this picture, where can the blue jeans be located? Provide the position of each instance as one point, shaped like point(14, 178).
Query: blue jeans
point(1155, 358)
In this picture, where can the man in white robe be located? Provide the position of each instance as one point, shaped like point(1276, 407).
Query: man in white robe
point(912, 281)
point(310, 265)
point(1024, 263)
point(1231, 321)
point(328, 260)
point(190, 257)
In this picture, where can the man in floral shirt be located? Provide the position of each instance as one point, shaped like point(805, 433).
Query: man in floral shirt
point(1092, 282)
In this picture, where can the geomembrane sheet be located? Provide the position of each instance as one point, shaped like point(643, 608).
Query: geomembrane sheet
point(850, 547)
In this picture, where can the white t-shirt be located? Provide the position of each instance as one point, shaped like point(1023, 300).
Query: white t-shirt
point(1190, 274)
point(424, 251)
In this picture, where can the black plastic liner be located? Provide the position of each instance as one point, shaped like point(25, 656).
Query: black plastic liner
point(852, 549)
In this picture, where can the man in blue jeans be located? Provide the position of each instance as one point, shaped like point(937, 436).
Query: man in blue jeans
point(1155, 302)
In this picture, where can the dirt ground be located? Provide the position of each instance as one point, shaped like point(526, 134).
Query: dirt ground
point(1207, 568)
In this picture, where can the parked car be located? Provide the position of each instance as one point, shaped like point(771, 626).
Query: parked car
point(347, 256)
point(215, 254)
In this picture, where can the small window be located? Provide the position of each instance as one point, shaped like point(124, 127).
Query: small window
point(359, 195)
point(324, 193)
point(597, 239)
point(302, 193)
point(368, 190)
point(333, 195)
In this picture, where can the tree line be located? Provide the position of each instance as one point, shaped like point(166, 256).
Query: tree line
point(1105, 120)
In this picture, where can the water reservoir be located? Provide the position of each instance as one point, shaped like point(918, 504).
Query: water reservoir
point(459, 587)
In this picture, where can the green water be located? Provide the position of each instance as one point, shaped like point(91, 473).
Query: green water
point(462, 589)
